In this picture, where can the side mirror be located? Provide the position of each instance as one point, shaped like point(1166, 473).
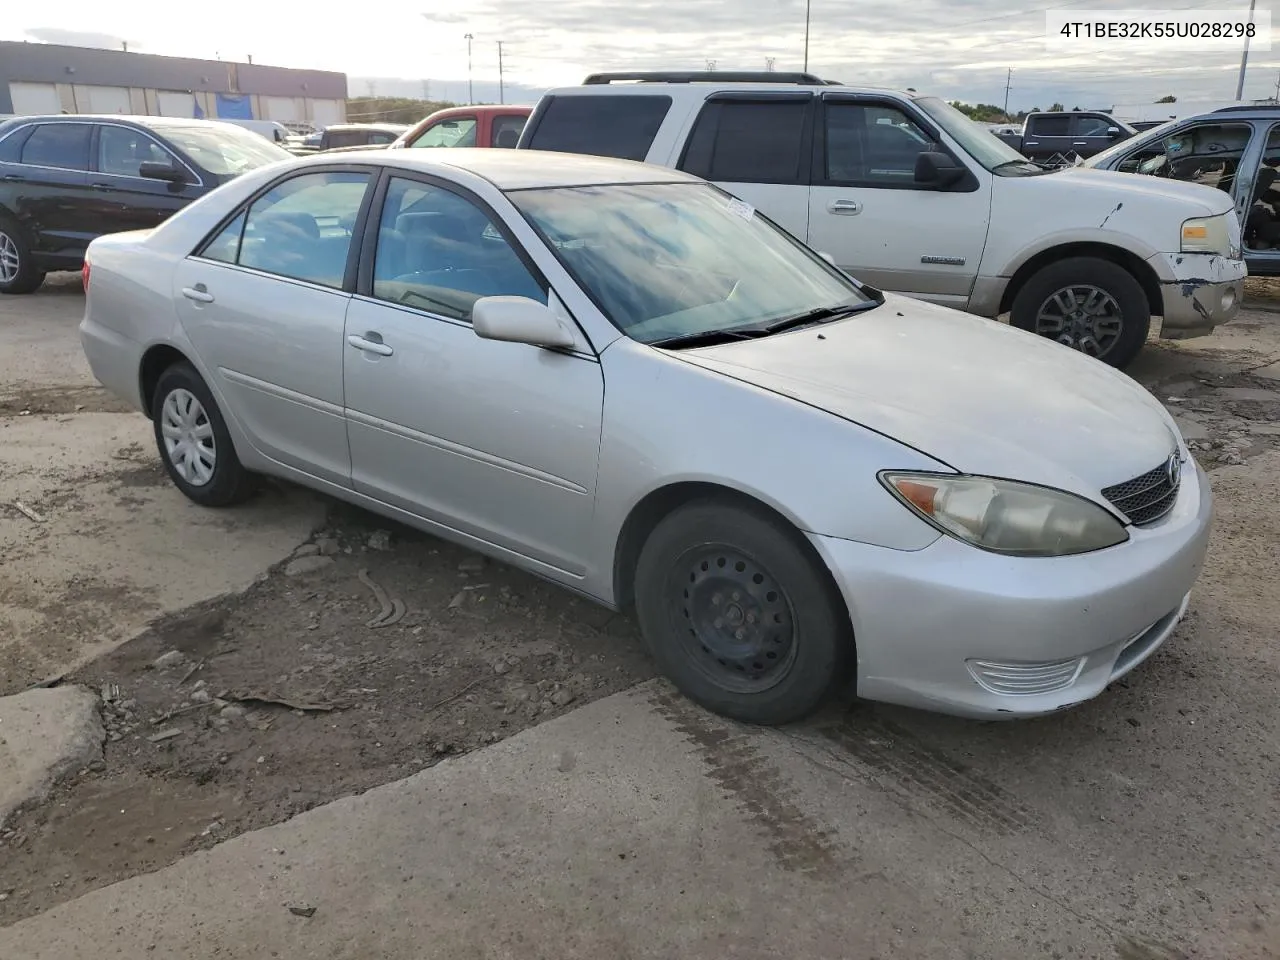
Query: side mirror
point(159, 170)
point(936, 169)
point(519, 320)
point(1113, 132)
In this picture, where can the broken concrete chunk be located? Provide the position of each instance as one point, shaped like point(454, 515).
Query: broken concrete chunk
point(303, 565)
point(45, 735)
point(168, 660)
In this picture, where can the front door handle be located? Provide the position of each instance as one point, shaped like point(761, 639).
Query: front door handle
point(1081, 143)
point(100, 186)
point(14, 178)
point(370, 346)
point(846, 207)
point(198, 293)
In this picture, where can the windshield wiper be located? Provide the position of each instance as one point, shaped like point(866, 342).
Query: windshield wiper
point(820, 315)
point(707, 338)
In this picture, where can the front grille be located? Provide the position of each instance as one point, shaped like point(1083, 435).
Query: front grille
point(1147, 498)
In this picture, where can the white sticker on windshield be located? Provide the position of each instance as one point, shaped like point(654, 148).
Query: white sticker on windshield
point(743, 209)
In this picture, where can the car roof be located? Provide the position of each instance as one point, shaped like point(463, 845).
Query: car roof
point(520, 169)
point(396, 127)
point(696, 85)
point(479, 108)
point(141, 120)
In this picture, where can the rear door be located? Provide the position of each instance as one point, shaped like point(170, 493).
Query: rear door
point(50, 186)
point(1048, 136)
point(127, 199)
point(757, 146)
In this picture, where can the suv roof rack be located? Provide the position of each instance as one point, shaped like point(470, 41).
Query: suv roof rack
point(1242, 108)
point(711, 76)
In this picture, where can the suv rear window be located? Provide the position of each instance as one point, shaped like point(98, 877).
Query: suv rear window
point(602, 126)
point(749, 142)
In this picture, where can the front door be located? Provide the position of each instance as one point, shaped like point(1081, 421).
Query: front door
point(876, 222)
point(497, 440)
point(265, 303)
point(130, 201)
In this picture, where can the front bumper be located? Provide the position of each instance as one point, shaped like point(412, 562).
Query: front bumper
point(924, 621)
point(1200, 291)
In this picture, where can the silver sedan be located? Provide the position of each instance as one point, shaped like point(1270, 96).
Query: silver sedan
point(622, 379)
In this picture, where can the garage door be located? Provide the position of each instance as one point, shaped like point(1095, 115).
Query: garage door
point(281, 109)
point(326, 112)
point(94, 99)
point(174, 104)
point(34, 98)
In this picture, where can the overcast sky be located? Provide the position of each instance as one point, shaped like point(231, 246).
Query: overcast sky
point(955, 48)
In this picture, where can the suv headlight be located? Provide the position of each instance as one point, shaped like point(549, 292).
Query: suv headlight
point(1004, 516)
point(1207, 235)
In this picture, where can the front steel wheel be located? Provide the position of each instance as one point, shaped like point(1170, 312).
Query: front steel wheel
point(740, 614)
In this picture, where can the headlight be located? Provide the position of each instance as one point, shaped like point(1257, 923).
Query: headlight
point(1003, 516)
point(1206, 235)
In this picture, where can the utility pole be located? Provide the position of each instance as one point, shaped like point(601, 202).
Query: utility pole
point(768, 64)
point(1244, 57)
point(711, 66)
point(501, 91)
point(1277, 96)
point(806, 35)
point(471, 96)
point(1008, 82)
point(426, 89)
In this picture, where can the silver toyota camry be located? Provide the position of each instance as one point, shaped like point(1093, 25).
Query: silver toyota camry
point(624, 380)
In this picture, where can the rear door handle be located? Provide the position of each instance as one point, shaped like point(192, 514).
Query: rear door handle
point(847, 207)
point(370, 346)
point(198, 293)
point(14, 178)
point(100, 186)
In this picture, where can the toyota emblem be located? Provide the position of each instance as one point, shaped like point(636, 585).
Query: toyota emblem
point(1173, 469)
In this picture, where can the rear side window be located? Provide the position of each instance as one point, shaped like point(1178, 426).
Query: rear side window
point(737, 141)
point(604, 126)
point(506, 130)
point(11, 145)
point(1059, 126)
point(63, 145)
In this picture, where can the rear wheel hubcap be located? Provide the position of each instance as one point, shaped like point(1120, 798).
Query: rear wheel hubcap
point(188, 437)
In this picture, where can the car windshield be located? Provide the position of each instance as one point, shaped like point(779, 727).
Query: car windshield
point(684, 260)
point(979, 142)
point(225, 149)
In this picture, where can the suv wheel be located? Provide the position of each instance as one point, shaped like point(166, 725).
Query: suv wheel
point(1088, 304)
point(18, 273)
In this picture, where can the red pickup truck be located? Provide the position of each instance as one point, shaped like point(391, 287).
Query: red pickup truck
point(476, 126)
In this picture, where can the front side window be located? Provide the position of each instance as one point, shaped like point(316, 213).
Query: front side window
point(439, 252)
point(123, 150)
point(607, 125)
point(300, 229)
point(225, 149)
point(61, 145)
point(1206, 153)
point(456, 132)
point(1092, 127)
point(672, 260)
point(738, 141)
point(991, 152)
point(506, 130)
point(872, 144)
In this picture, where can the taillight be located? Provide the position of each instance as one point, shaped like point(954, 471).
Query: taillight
point(84, 276)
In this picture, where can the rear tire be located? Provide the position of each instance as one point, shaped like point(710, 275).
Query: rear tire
point(739, 616)
point(193, 440)
point(1088, 304)
point(18, 271)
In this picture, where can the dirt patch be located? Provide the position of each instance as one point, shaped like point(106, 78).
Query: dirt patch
point(61, 400)
point(1262, 293)
point(245, 711)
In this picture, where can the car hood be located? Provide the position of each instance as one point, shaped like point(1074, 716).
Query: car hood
point(1157, 189)
point(981, 397)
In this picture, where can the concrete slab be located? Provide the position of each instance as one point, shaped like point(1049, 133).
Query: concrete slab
point(44, 736)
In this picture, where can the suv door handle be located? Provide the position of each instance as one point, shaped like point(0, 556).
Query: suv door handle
point(198, 293)
point(370, 346)
point(100, 186)
point(1080, 143)
point(14, 178)
point(848, 207)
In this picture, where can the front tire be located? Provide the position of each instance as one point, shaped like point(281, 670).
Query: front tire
point(18, 271)
point(1088, 304)
point(739, 616)
point(193, 440)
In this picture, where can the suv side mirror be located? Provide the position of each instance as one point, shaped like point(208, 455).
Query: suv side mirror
point(159, 170)
point(936, 169)
point(519, 320)
point(1113, 132)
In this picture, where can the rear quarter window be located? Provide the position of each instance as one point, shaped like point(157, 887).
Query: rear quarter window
point(604, 126)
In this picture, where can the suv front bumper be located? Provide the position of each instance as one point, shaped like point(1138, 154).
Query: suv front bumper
point(1200, 291)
